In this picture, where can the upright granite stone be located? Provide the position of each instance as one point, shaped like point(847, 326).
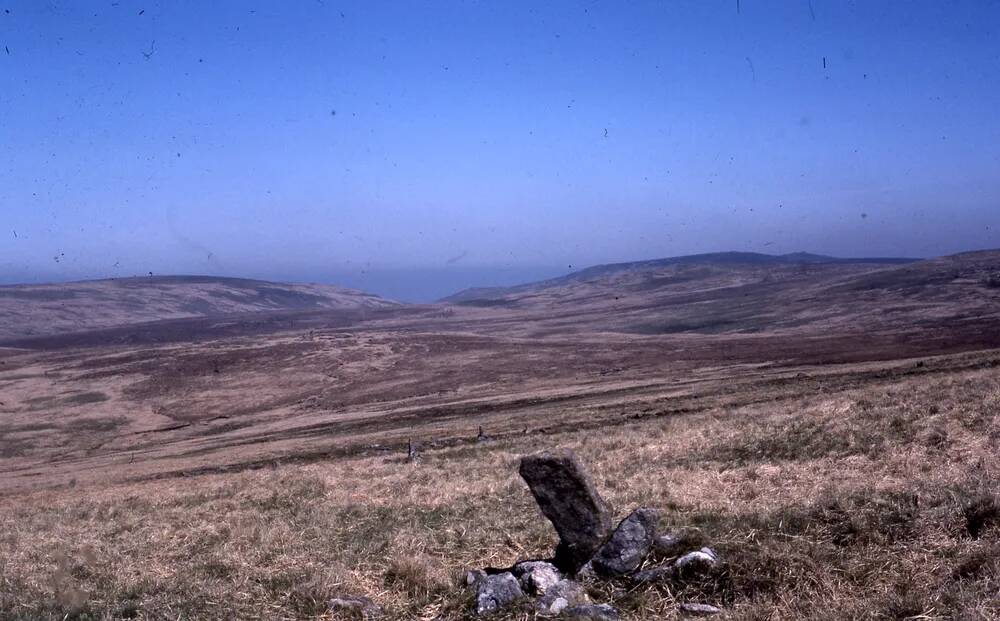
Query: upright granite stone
point(567, 497)
point(629, 544)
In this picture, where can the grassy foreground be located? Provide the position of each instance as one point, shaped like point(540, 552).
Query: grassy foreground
point(875, 503)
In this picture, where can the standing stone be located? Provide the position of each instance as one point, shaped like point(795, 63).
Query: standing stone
point(567, 497)
point(497, 591)
point(629, 544)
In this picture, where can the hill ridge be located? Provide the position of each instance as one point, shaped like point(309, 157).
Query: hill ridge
point(29, 310)
point(724, 257)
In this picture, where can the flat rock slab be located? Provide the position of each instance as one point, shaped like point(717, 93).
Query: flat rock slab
point(567, 497)
point(698, 610)
point(628, 545)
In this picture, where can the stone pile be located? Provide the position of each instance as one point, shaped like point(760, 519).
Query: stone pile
point(589, 549)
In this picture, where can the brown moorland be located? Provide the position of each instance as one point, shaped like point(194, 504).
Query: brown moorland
point(830, 427)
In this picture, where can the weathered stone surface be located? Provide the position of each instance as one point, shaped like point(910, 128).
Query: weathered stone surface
point(536, 576)
point(696, 562)
point(560, 596)
point(496, 591)
point(567, 497)
point(628, 545)
point(356, 607)
point(473, 576)
point(698, 610)
point(592, 612)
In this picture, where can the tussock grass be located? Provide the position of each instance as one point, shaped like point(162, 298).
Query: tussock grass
point(877, 503)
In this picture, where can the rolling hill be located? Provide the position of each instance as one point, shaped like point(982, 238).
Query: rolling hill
point(49, 309)
point(752, 293)
point(736, 260)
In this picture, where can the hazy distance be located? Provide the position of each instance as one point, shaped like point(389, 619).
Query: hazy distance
point(415, 149)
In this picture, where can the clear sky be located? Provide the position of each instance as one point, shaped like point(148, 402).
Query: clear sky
point(478, 142)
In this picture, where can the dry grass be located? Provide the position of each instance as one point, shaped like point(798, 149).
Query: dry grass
point(878, 503)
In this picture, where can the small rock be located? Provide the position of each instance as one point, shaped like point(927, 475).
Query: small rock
point(355, 606)
point(496, 591)
point(560, 596)
point(568, 498)
point(697, 562)
point(699, 610)
point(628, 545)
point(586, 573)
point(551, 607)
point(537, 576)
point(593, 612)
point(473, 576)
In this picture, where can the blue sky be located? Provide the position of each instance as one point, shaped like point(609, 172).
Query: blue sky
point(488, 141)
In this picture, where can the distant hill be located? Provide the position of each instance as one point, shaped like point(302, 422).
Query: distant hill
point(37, 310)
point(751, 294)
point(481, 295)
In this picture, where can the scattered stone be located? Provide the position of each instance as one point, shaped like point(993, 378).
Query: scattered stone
point(629, 544)
point(497, 591)
point(699, 610)
point(697, 562)
point(560, 596)
point(537, 576)
point(567, 497)
point(588, 551)
point(355, 606)
point(592, 612)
